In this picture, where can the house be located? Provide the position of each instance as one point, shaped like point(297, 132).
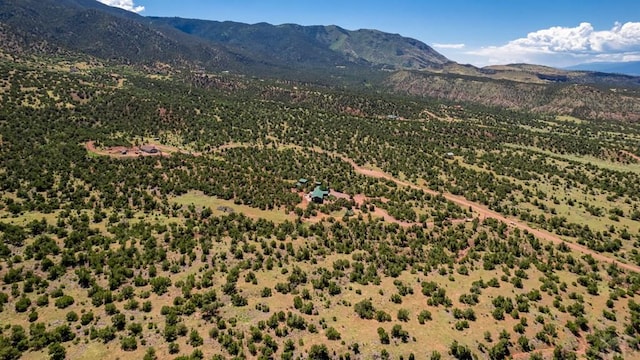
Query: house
point(319, 193)
point(149, 149)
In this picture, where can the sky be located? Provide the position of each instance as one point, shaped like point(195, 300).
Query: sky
point(557, 33)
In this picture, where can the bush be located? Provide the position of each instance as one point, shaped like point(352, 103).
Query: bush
point(195, 339)
point(42, 300)
point(319, 352)
point(403, 315)
point(57, 352)
point(33, 316)
point(23, 304)
point(384, 336)
point(72, 316)
point(382, 316)
point(147, 306)
point(398, 333)
point(364, 309)
point(425, 315)
point(86, 318)
point(129, 343)
point(332, 334)
point(64, 301)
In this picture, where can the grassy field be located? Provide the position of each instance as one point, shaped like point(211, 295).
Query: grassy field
point(200, 201)
point(591, 160)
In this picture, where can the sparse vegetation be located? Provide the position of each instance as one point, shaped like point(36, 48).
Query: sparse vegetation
point(521, 242)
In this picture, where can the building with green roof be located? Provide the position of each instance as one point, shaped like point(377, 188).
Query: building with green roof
point(318, 194)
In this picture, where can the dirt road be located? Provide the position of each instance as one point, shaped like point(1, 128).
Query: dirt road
point(485, 212)
point(482, 211)
point(630, 154)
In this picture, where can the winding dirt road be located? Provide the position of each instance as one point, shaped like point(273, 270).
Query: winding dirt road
point(482, 211)
point(485, 212)
point(630, 154)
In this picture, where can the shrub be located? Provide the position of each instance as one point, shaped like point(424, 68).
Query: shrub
point(319, 352)
point(64, 301)
point(129, 343)
point(23, 304)
point(403, 315)
point(332, 334)
point(72, 316)
point(384, 336)
point(425, 315)
point(86, 318)
point(382, 316)
point(365, 309)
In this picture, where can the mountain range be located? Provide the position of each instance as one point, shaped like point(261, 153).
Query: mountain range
point(627, 67)
point(327, 55)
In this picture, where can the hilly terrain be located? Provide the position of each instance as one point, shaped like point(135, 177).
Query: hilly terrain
point(317, 46)
point(629, 68)
point(159, 204)
point(367, 60)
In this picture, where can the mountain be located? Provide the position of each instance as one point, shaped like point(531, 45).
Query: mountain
point(324, 55)
point(92, 28)
point(89, 27)
point(628, 67)
point(557, 93)
point(313, 46)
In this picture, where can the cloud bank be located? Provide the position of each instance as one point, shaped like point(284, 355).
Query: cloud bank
point(124, 4)
point(448, 46)
point(565, 46)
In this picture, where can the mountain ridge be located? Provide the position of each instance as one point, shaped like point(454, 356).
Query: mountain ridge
point(631, 68)
point(323, 55)
point(315, 44)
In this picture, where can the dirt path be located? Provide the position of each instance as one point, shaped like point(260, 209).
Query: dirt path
point(485, 212)
point(630, 154)
point(359, 200)
point(134, 152)
point(482, 211)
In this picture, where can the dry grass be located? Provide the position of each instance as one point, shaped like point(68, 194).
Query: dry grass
point(199, 200)
point(592, 160)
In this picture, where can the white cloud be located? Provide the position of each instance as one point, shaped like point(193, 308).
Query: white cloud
point(124, 4)
point(565, 46)
point(448, 46)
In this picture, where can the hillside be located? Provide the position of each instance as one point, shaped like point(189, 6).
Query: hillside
point(88, 27)
point(533, 92)
point(314, 46)
point(145, 216)
point(325, 207)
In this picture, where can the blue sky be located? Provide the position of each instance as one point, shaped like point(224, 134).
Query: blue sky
point(480, 32)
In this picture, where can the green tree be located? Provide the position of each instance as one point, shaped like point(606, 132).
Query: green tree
point(57, 351)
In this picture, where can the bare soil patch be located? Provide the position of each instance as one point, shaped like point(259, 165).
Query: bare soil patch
point(124, 152)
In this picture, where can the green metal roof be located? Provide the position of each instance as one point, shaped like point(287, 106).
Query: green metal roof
point(319, 193)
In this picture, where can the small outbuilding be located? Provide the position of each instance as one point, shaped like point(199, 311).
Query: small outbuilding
point(302, 182)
